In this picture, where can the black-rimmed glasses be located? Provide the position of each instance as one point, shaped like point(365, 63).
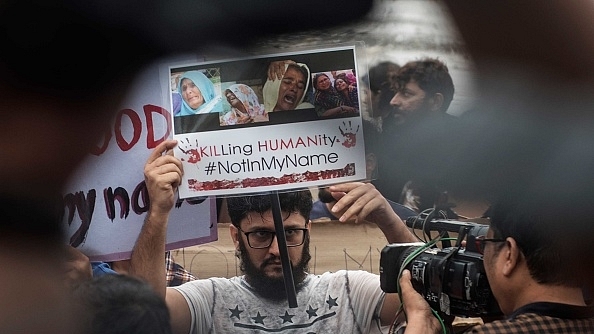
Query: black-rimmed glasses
point(481, 240)
point(263, 238)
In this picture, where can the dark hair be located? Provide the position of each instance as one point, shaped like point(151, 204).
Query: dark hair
point(341, 78)
point(296, 201)
point(379, 75)
point(316, 77)
point(431, 75)
point(382, 83)
point(536, 223)
point(344, 77)
point(121, 304)
point(371, 135)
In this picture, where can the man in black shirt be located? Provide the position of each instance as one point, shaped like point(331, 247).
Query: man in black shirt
point(418, 137)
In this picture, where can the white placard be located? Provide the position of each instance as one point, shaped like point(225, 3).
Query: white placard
point(279, 136)
point(106, 201)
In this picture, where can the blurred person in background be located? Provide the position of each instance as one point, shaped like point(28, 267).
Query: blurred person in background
point(419, 138)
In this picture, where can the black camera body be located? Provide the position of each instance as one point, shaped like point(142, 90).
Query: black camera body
point(452, 279)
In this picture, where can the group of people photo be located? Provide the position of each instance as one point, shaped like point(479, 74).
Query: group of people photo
point(288, 86)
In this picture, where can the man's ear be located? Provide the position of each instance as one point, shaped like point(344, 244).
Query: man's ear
point(436, 102)
point(234, 233)
point(513, 256)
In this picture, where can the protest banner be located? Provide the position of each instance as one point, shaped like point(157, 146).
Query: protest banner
point(106, 199)
point(240, 129)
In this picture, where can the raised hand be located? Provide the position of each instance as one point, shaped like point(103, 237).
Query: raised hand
point(162, 174)
point(363, 202)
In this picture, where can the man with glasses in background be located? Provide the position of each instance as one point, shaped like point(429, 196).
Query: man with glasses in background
point(346, 301)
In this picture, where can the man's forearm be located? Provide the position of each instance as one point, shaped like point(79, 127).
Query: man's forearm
point(148, 256)
point(397, 232)
point(422, 326)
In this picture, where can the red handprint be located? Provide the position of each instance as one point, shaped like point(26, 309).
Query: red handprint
point(192, 153)
point(350, 136)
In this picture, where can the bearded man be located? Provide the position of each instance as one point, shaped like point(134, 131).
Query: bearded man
point(346, 301)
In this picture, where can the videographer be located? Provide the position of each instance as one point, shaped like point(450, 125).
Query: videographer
point(526, 259)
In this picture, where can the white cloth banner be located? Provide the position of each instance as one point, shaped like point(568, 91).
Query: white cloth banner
point(106, 201)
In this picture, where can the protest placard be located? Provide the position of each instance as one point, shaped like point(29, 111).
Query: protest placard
point(106, 199)
point(241, 129)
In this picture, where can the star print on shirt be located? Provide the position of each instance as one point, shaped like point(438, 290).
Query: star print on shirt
point(259, 319)
point(287, 317)
point(235, 312)
point(331, 302)
point(312, 312)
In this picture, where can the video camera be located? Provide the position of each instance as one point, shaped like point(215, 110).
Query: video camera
point(452, 279)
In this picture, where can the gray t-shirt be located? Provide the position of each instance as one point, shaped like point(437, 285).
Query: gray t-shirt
point(340, 302)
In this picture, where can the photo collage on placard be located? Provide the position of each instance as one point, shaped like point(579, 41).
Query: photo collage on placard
point(257, 91)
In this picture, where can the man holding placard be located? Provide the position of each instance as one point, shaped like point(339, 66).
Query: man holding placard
point(347, 301)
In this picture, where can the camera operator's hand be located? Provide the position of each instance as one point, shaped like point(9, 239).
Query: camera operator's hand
point(418, 312)
point(363, 202)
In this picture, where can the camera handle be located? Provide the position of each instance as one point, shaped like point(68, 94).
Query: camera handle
point(438, 275)
point(439, 212)
point(462, 235)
